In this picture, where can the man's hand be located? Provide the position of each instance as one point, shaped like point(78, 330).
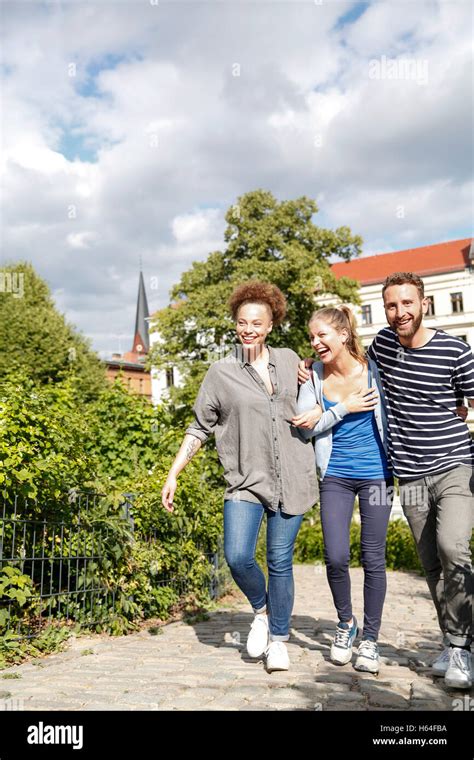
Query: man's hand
point(303, 373)
point(309, 419)
point(461, 412)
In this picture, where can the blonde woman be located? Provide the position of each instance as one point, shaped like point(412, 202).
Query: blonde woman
point(350, 447)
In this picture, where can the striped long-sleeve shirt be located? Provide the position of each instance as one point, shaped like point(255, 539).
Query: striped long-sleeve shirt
point(422, 389)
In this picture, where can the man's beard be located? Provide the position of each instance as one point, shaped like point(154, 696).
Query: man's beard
point(414, 326)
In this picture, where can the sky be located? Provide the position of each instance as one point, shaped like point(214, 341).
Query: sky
point(130, 127)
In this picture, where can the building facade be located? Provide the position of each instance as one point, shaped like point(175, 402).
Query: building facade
point(447, 270)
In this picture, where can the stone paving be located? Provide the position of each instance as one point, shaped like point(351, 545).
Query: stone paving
point(204, 666)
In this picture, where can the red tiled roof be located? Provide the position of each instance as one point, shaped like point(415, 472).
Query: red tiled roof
point(429, 259)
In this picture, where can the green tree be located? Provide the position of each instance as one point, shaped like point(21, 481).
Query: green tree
point(266, 239)
point(42, 443)
point(35, 338)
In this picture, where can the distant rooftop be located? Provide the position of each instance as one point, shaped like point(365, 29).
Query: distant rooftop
point(439, 258)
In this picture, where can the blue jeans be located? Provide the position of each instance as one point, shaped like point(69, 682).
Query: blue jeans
point(337, 504)
point(242, 521)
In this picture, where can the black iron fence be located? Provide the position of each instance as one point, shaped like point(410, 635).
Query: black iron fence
point(62, 554)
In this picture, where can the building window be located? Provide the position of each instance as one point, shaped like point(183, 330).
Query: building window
point(141, 385)
point(169, 377)
point(431, 306)
point(456, 303)
point(367, 314)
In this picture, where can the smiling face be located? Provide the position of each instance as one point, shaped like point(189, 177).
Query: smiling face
point(404, 309)
point(326, 340)
point(254, 322)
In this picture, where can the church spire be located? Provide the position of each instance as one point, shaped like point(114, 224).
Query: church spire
point(141, 341)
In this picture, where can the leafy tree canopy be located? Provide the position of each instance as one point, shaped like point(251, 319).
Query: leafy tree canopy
point(35, 338)
point(266, 239)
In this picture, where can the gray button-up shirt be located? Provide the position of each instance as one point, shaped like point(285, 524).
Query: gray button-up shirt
point(263, 457)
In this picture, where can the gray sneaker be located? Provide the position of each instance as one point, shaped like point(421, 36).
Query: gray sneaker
point(341, 647)
point(458, 674)
point(368, 659)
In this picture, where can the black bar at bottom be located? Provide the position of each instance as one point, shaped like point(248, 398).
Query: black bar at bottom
point(136, 734)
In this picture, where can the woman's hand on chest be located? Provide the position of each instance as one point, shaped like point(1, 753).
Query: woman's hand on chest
point(337, 388)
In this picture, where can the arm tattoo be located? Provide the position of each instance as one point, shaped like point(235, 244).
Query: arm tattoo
point(191, 449)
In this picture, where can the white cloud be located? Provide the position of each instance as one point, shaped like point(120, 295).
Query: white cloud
point(188, 228)
point(81, 239)
point(175, 137)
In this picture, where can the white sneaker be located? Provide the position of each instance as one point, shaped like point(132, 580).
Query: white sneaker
point(458, 674)
point(277, 656)
point(368, 660)
point(257, 640)
point(441, 664)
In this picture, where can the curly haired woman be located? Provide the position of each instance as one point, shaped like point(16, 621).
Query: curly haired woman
point(247, 400)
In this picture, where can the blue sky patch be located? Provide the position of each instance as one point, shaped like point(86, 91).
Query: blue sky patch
point(76, 147)
point(352, 15)
point(87, 86)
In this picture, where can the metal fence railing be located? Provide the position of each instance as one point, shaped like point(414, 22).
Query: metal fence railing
point(61, 554)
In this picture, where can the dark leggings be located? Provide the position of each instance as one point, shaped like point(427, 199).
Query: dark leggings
point(337, 505)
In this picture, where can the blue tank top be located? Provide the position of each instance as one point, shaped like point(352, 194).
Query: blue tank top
point(357, 451)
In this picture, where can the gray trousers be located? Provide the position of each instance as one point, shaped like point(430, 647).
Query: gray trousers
point(440, 511)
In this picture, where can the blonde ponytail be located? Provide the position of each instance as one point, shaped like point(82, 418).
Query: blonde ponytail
point(342, 317)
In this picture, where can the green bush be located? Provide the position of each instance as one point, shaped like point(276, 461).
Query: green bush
point(401, 551)
point(63, 431)
point(127, 436)
point(19, 615)
point(42, 452)
point(16, 597)
point(139, 572)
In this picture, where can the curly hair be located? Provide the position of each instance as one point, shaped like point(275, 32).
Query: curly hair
point(256, 291)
